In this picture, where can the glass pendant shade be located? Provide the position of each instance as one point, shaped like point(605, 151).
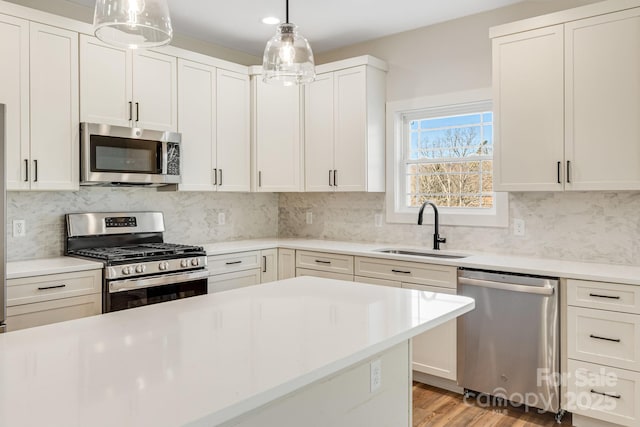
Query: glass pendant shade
point(133, 24)
point(288, 58)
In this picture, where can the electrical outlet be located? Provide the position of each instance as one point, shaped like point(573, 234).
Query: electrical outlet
point(378, 220)
point(376, 375)
point(309, 218)
point(222, 218)
point(19, 228)
point(518, 227)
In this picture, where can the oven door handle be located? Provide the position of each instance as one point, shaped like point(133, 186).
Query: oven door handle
point(149, 282)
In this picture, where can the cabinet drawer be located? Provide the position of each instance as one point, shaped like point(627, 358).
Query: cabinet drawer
point(604, 337)
point(606, 296)
point(324, 274)
point(588, 382)
point(414, 272)
point(235, 280)
point(34, 289)
point(227, 263)
point(381, 282)
point(325, 262)
point(44, 313)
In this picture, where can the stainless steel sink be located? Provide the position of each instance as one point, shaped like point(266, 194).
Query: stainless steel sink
point(419, 253)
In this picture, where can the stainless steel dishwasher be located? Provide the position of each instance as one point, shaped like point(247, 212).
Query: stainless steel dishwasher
point(509, 346)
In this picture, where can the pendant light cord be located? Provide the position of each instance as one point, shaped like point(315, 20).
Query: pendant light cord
point(287, 17)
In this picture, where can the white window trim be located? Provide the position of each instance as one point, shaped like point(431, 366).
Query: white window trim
point(396, 212)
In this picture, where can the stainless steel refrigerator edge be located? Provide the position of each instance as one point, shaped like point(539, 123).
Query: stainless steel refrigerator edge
point(3, 221)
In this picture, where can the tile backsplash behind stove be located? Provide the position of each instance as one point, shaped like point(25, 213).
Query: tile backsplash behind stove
point(190, 218)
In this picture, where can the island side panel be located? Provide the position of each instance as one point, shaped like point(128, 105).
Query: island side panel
point(345, 399)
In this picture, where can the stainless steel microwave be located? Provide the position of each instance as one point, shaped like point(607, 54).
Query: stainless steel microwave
point(116, 155)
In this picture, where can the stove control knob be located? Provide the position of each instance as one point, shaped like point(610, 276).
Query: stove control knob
point(195, 262)
point(140, 268)
point(126, 270)
point(184, 263)
point(164, 265)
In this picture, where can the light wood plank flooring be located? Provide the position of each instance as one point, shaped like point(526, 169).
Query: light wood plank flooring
point(433, 407)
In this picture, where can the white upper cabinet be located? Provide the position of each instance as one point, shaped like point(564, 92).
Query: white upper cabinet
point(14, 94)
point(127, 88)
point(277, 137)
point(567, 99)
point(528, 101)
point(233, 134)
point(213, 108)
point(39, 75)
point(55, 126)
point(344, 130)
point(602, 136)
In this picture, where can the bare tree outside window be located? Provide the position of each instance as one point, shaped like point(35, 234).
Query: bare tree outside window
point(449, 160)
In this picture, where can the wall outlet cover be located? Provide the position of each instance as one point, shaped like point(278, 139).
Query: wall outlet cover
point(518, 227)
point(309, 218)
point(222, 218)
point(19, 228)
point(376, 375)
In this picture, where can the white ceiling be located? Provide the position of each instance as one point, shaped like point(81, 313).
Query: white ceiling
point(327, 24)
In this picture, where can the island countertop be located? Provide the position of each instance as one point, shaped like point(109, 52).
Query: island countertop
point(205, 360)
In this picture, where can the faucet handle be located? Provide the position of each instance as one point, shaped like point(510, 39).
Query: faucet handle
point(442, 239)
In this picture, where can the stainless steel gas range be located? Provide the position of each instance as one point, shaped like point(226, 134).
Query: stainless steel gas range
point(139, 267)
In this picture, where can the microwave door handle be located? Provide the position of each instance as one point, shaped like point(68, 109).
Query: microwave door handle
point(164, 158)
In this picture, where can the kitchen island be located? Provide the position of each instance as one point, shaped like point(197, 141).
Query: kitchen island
point(304, 351)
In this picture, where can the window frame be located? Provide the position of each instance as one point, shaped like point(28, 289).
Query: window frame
point(442, 105)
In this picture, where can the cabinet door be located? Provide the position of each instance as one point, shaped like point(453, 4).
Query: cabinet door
point(14, 93)
point(55, 115)
point(196, 122)
point(229, 281)
point(603, 102)
point(319, 134)
point(47, 312)
point(155, 92)
point(269, 272)
point(233, 131)
point(277, 134)
point(528, 87)
point(286, 264)
point(434, 351)
point(105, 83)
point(350, 91)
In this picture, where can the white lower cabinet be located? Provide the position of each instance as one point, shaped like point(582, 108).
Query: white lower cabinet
point(237, 270)
point(434, 352)
point(603, 353)
point(286, 264)
point(41, 300)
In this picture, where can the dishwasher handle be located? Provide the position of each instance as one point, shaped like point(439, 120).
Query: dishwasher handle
point(537, 290)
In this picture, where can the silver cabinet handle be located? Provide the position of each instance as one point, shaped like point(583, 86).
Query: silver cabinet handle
point(537, 290)
point(46, 288)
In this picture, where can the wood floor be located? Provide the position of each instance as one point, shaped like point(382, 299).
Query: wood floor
point(434, 407)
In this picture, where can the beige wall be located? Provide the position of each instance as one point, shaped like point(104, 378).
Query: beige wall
point(85, 14)
point(448, 57)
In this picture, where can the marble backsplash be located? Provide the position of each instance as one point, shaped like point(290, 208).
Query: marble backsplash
point(582, 226)
point(190, 218)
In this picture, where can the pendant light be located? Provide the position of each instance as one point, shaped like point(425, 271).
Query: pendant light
point(288, 58)
point(133, 24)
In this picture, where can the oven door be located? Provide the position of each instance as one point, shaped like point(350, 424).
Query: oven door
point(131, 293)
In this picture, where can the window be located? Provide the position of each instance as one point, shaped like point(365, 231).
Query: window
point(442, 151)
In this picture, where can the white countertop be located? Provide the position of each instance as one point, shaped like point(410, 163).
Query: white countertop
point(44, 266)
point(517, 264)
point(208, 359)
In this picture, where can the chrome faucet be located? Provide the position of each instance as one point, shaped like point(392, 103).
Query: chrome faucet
point(436, 236)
